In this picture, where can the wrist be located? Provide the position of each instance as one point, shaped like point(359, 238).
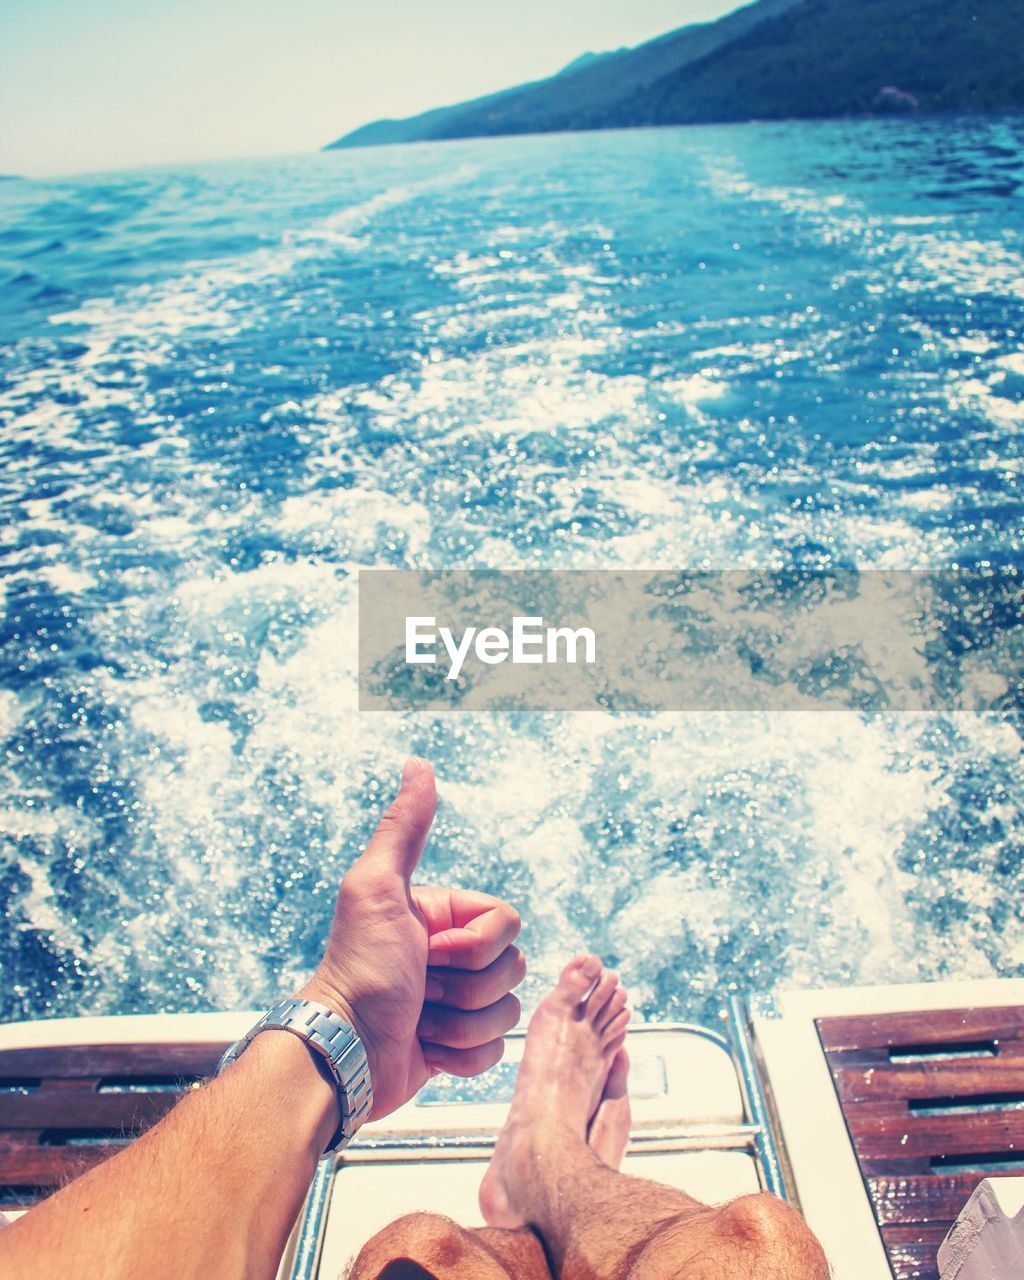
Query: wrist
point(334, 1047)
point(301, 1081)
point(323, 991)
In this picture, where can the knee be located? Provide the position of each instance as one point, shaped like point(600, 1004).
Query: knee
point(760, 1219)
point(430, 1238)
point(434, 1242)
point(768, 1228)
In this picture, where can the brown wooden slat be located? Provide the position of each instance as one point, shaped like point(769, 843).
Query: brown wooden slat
point(75, 1061)
point(913, 1262)
point(938, 1054)
point(912, 1250)
point(933, 1026)
point(886, 1130)
point(51, 1166)
point(932, 1198)
point(49, 1109)
point(952, 1078)
point(925, 1234)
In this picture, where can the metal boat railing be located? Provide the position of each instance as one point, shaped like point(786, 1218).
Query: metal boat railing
point(755, 1104)
point(756, 1137)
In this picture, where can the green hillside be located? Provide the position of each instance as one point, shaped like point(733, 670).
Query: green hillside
point(832, 57)
point(586, 88)
point(770, 60)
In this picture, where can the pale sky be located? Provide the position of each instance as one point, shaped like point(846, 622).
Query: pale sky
point(112, 84)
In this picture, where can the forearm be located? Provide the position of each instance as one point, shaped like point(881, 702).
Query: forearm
point(214, 1189)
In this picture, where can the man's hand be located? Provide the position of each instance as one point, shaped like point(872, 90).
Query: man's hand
point(392, 947)
point(215, 1187)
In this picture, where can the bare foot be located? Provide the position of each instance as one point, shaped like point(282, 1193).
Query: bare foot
point(609, 1129)
point(573, 1039)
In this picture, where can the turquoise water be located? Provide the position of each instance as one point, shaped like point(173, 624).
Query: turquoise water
point(226, 388)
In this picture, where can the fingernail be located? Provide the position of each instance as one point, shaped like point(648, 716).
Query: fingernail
point(590, 966)
point(411, 768)
point(434, 989)
point(426, 1028)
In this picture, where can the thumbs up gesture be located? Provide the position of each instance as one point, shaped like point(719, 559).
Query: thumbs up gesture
point(424, 975)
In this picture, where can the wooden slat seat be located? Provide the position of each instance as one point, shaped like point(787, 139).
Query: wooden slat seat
point(65, 1109)
point(933, 1102)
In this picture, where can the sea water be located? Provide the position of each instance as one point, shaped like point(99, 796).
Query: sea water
point(228, 387)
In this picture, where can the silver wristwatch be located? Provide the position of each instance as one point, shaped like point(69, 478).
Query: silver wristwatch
point(337, 1043)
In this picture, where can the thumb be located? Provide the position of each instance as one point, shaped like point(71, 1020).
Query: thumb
point(397, 843)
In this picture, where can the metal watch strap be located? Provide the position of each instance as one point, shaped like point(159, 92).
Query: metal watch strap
point(336, 1042)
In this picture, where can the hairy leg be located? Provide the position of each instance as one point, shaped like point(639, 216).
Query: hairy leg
point(596, 1223)
point(601, 1225)
point(422, 1246)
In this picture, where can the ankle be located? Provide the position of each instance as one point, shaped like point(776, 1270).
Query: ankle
point(550, 1143)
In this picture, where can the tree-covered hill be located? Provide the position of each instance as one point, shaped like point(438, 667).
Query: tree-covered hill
point(845, 57)
point(588, 86)
point(770, 60)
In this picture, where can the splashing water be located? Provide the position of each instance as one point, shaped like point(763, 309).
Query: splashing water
point(226, 388)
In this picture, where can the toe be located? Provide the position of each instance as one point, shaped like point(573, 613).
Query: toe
point(577, 978)
point(612, 1047)
point(616, 1029)
point(615, 1005)
point(617, 1084)
point(600, 997)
